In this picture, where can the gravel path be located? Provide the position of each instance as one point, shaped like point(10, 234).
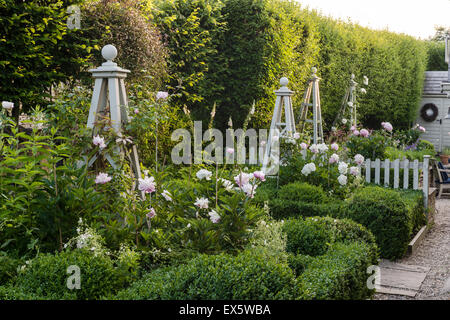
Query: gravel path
point(433, 252)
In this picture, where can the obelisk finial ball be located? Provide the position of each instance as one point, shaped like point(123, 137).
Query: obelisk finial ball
point(314, 70)
point(284, 81)
point(109, 52)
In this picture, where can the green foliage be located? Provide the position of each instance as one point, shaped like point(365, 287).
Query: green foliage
point(338, 275)
point(263, 41)
point(282, 209)
point(393, 153)
point(386, 215)
point(394, 64)
point(307, 237)
point(223, 277)
point(138, 42)
point(26, 160)
point(192, 30)
point(37, 50)
point(436, 56)
point(302, 192)
point(414, 203)
point(425, 145)
point(46, 276)
point(372, 147)
point(8, 268)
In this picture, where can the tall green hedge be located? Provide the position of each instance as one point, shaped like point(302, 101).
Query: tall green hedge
point(243, 47)
point(394, 64)
point(37, 50)
point(436, 56)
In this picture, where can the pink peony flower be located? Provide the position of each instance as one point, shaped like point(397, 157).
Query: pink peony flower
point(243, 178)
point(354, 171)
point(296, 136)
point(356, 133)
point(422, 129)
point(259, 175)
point(364, 133)
point(162, 95)
point(136, 111)
point(151, 214)
point(102, 178)
point(387, 126)
point(334, 158)
point(335, 146)
point(99, 141)
point(147, 184)
point(304, 146)
point(352, 128)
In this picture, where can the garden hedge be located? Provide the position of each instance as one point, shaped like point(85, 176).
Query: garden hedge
point(38, 50)
point(386, 215)
point(341, 274)
point(332, 259)
point(45, 277)
point(243, 47)
point(224, 277)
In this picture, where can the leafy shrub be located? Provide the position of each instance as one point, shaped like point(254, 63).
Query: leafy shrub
point(349, 231)
point(393, 153)
point(8, 268)
point(414, 202)
point(340, 274)
point(225, 277)
point(372, 147)
point(436, 56)
point(308, 237)
point(138, 42)
point(38, 51)
point(425, 145)
point(299, 262)
point(302, 192)
point(46, 275)
point(192, 30)
point(282, 209)
point(386, 215)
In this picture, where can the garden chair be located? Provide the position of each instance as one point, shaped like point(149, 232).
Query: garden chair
point(443, 178)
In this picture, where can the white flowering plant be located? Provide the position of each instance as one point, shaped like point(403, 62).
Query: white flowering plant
point(325, 165)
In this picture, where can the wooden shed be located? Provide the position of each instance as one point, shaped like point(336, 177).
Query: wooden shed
point(433, 109)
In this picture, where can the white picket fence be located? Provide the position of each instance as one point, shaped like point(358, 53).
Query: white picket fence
point(398, 164)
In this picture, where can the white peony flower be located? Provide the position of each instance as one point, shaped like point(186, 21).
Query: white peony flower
point(204, 174)
point(359, 159)
point(7, 105)
point(342, 180)
point(214, 216)
point(343, 167)
point(227, 184)
point(202, 203)
point(308, 168)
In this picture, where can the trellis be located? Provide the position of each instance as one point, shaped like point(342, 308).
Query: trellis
point(316, 121)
